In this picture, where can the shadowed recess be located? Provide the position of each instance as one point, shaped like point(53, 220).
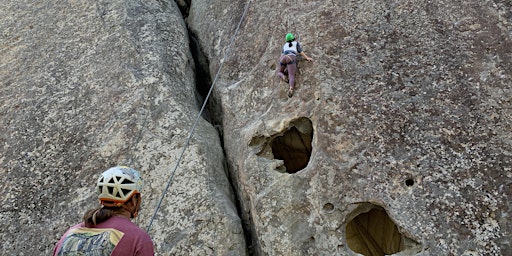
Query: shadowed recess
point(373, 233)
point(294, 146)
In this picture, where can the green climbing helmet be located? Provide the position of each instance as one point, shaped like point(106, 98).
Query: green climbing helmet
point(289, 37)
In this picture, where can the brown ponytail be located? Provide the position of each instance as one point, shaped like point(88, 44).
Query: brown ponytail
point(96, 216)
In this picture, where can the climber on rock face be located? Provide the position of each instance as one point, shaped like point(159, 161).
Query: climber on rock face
point(288, 61)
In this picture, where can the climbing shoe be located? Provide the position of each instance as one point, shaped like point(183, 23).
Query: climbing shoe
point(284, 78)
point(290, 93)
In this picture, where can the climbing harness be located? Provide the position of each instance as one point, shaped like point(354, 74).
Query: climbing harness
point(289, 58)
point(191, 133)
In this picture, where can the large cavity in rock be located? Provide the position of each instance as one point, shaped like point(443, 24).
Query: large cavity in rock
point(372, 232)
point(294, 146)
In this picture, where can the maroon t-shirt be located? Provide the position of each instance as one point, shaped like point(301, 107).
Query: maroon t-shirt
point(117, 236)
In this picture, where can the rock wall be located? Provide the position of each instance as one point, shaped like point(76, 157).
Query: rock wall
point(88, 85)
point(403, 118)
point(397, 140)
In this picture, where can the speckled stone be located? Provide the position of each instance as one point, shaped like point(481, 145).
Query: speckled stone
point(410, 104)
point(85, 85)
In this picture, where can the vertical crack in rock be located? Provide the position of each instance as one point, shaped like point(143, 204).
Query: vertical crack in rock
point(203, 85)
point(202, 75)
point(184, 6)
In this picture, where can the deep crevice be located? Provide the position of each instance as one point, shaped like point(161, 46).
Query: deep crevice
point(184, 6)
point(202, 63)
point(203, 83)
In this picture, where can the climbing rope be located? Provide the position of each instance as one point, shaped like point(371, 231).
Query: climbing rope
point(191, 133)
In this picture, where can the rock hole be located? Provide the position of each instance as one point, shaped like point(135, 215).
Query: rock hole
point(294, 146)
point(328, 207)
point(409, 182)
point(371, 232)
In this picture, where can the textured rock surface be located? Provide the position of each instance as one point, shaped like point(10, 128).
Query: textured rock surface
point(88, 85)
point(410, 107)
point(403, 124)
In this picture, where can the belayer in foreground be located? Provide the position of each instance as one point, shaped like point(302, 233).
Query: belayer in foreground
point(288, 61)
point(108, 230)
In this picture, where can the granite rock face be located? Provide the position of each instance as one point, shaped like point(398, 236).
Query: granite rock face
point(404, 118)
point(397, 140)
point(88, 85)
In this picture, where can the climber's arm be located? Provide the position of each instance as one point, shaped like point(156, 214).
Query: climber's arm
point(305, 56)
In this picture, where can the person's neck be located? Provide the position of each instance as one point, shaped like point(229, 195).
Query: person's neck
point(124, 214)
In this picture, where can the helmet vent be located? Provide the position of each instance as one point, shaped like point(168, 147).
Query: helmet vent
point(111, 180)
point(127, 181)
point(126, 191)
point(100, 189)
point(111, 190)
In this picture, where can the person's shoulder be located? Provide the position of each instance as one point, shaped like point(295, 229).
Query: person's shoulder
point(79, 225)
point(122, 223)
point(121, 220)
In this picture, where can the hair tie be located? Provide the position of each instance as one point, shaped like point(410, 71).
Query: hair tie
point(94, 217)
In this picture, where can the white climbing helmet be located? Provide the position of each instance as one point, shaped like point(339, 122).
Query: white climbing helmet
point(117, 184)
